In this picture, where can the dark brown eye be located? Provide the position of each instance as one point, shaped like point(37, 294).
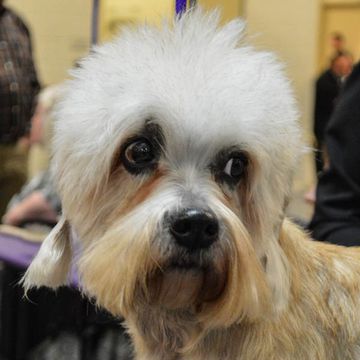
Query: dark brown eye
point(139, 152)
point(230, 166)
point(235, 167)
point(139, 155)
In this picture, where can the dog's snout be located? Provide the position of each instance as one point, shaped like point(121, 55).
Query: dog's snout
point(194, 228)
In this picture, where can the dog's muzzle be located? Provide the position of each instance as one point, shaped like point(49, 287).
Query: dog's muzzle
point(194, 228)
point(193, 269)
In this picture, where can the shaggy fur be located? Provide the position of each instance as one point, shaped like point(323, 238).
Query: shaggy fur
point(263, 290)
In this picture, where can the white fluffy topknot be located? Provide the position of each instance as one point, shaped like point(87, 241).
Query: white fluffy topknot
point(196, 76)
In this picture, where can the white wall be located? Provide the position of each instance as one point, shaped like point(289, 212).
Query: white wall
point(229, 8)
point(115, 13)
point(60, 33)
point(291, 28)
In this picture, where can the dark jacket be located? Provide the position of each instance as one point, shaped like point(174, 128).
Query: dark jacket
point(337, 211)
point(327, 90)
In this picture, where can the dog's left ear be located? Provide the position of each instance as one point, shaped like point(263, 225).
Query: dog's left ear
point(52, 263)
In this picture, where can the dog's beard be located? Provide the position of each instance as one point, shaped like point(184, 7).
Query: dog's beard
point(124, 269)
point(188, 280)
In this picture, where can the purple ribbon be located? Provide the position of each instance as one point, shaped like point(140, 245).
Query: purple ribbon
point(95, 22)
point(180, 6)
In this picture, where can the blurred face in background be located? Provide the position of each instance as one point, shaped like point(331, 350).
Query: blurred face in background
point(342, 65)
point(337, 42)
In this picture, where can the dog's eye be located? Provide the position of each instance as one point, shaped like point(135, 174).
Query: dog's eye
point(230, 166)
point(139, 152)
point(138, 155)
point(235, 167)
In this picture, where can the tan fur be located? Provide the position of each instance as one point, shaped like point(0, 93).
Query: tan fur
point(52, 263)
point(322, 321)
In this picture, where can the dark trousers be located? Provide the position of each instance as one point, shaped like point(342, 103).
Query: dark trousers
point(29, 327)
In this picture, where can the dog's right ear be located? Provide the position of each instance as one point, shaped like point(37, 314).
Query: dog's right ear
point(52, 263)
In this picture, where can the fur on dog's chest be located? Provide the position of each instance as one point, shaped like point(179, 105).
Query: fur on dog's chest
point(320, 322)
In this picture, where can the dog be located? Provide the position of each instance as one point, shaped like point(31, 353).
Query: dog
point(174, 152)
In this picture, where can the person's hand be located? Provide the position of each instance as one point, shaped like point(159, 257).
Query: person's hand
point(33, 207)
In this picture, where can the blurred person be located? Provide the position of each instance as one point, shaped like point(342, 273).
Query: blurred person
point(38, 201)
point(337, 43)
point(18, 89)
point(41, 129)
point(337, 209)
point(327, 90)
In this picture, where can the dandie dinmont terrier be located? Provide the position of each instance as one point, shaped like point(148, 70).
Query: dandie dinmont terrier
point(174, 151)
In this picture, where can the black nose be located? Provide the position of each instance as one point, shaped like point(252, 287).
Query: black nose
point(195, 228)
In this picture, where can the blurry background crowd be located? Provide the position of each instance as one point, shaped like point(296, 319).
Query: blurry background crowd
point(40, 40)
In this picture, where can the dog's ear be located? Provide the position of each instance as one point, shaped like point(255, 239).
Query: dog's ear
point(52, 263)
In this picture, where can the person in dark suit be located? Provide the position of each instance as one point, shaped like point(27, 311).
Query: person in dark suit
point(327, 91)
point(337, 209)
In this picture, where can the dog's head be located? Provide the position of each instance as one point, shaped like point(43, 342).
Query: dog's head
point(173, 156)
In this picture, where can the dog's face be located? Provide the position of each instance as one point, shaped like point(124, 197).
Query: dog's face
point(173, 156)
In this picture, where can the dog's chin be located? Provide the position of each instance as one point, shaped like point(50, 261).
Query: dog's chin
point(182, 285)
